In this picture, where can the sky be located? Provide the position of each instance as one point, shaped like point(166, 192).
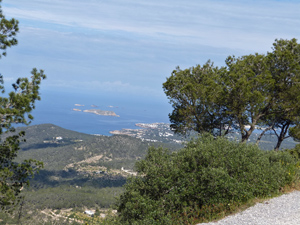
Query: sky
point(130, 47)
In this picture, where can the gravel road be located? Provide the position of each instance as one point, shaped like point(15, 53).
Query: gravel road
point(283, 210)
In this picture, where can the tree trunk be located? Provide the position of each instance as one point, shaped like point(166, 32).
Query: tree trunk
point(281, 136)
point(247, 134)
point(280, 140)
point(262, 134)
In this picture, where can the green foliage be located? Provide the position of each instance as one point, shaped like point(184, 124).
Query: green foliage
point(195, 95)
point(66, 196)
point(294, 132)
point(13, 176)
point(284, 65)
point(207, 176)
point(8, 31)
point(15, 109)
point(118, 151)
point(251, 90)
point(246, 86)
point(295, 151)
point(57, 188)
point(97, 212)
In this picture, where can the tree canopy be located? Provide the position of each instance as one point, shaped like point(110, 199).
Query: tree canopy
point(15, 108)
point(250, 91)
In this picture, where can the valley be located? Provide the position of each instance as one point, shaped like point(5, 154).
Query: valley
point(87, 172)
point(81, 171)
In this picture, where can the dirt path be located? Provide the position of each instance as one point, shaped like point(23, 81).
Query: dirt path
point(58, 216)
point(88, 160)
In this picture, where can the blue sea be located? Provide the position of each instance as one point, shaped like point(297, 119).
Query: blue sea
point(56, 107)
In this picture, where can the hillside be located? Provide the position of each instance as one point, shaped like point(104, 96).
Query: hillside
point(88, 171)
point(80, 170)
point(58, 148)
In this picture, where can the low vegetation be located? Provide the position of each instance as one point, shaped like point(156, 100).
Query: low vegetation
point(80, 170)
point(207, 179)
point(204, 180)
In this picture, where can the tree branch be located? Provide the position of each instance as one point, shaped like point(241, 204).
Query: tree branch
point(262, 133)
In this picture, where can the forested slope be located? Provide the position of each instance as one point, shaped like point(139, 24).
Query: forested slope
point(80, 170)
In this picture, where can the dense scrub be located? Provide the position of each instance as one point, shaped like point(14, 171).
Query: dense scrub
point(202, 180)
point(70, 197)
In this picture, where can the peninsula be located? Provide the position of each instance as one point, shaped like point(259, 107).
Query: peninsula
point(101, 112)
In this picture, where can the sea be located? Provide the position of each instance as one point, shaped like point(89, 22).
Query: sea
point(56, 107)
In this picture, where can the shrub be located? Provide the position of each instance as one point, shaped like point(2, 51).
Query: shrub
point(295, 151)
point(207, 176)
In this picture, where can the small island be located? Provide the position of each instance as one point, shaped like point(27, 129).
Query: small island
point(78, 105)
point(101, 112)
point(78, 110)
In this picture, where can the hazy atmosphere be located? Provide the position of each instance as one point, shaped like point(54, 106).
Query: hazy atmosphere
point(121, 112)
point(130, 47)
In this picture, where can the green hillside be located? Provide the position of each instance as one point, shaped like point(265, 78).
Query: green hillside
point(80, 170)
point(58, 148)
point(85, 171)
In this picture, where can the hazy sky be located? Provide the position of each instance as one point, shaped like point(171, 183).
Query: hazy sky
point(131, 46)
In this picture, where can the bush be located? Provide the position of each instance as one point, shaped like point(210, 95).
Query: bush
point(207, 176)
point(295, 151)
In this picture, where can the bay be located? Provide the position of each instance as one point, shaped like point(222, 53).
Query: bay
point(56, 107)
